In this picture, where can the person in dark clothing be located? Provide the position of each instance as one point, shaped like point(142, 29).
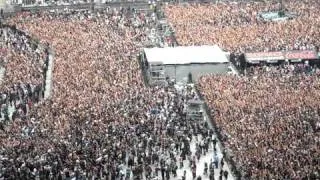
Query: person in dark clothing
point(163, 171)
point(184, 175)
point(194, 172)
point(167, 172)
point(222, 162)
point(214, 142)
point(211, 176)
point(2, 126)
point(211, 173)
point(225, 174)
point(205, 171)
point(130, 161)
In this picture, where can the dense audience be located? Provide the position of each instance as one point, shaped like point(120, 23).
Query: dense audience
point(238, 26)
point(23, 63)
point(101, 121)
point(65, 2)
point(269, 120)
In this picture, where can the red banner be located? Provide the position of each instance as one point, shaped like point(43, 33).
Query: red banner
point(301, 55)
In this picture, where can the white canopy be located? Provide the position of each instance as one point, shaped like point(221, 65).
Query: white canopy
point(186, 55)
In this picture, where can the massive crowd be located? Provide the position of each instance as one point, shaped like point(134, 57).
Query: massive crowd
point(269, 120)
point(65, 2)
point(101, 121)
point(238, 26)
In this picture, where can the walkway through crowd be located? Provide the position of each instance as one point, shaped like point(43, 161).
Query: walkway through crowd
point(48, 85)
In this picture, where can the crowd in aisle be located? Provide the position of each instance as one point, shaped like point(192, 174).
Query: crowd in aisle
point(269, 119)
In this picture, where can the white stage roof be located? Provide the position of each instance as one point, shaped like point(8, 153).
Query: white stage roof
point(186, 55)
